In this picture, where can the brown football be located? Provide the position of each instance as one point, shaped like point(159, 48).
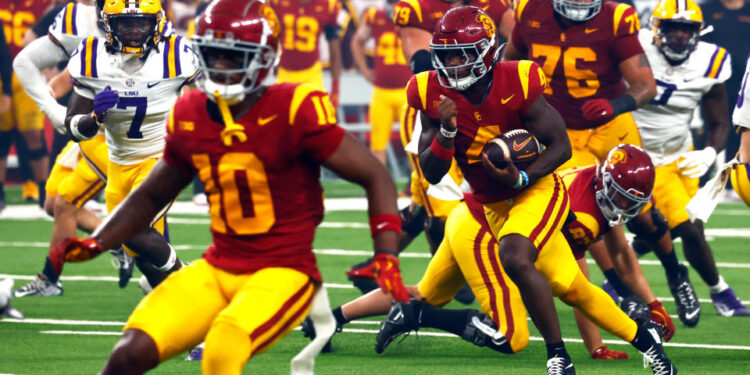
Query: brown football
point(521, 145)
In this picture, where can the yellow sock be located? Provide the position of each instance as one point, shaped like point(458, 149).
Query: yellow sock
point(227, 349)
point(599, 307)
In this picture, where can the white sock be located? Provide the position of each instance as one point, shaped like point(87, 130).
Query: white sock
point(719, 287)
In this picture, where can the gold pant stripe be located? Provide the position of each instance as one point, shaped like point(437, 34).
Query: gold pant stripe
point(275, 327)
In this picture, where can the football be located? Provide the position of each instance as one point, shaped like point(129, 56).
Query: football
point(521, 145)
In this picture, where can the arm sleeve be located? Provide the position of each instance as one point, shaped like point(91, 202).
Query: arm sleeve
point(5, 68)
point(317, 137)
point(40, 54)
point(626, 44)
point(331, 29)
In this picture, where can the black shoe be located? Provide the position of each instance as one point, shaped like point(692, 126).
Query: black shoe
point(124, 264)
point(465, 295)
point(635, 309)
point(402, 319)
point(560, 366)
point(655, 356)
point(308, 330)
point(688, 307)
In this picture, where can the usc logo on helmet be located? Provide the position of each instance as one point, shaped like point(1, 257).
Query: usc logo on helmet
point(489, 25)
point(618, 156)
point(270, 16)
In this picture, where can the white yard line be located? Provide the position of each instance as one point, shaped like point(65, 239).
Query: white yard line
point(347, 330)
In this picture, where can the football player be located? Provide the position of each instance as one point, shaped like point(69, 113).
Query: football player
point(18, 16)
point(259, 151)
point(73, 180)
point(471, 99)
point(599, 195)
point(302, 22)
point(740, 175)
point(389, 75)
point(585, 50)
point(431, 204)
point(125, 84)
point(688, 72)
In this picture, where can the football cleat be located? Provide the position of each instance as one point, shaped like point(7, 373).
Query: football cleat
point(655, 356)
point(688, 306)
point(560, 366)
point(362, 276)
point(196, 354)
point(30, 191)
point(11, 312)
point(603, 352)
point(402, 319)
point(40, 286)
point(727, 304)
point(635, 309)
point(607, 287)
point(124, 263)
point(465, 295)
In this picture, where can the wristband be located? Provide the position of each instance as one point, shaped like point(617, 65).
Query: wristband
point(441, 152)
point(625, 103)
point(74, 128)
point(447, 133)
point(523, 180)
point(335, 85)
point(384, 222)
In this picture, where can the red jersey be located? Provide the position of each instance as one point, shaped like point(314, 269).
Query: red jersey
point(264, 194)
point(17, 17)
point(302, 22)
point(391, 70)
point(581, 62)
point(516, 85)
point(589, 224)
point(424, 14)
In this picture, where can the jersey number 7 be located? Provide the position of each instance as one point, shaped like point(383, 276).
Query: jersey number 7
point(140, 104)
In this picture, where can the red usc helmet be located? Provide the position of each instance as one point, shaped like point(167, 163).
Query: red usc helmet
point(237, 46)
point(463, 47)
point(624, 183)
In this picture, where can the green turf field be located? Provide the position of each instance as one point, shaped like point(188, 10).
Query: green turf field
point(74, 333)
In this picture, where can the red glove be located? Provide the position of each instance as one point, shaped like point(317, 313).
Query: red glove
point(660, 316)
point(597, 109)
point(603, 352)
point(389, 276)
point(74, 249)
point(367, 272)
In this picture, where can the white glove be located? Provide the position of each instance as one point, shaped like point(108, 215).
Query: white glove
point(695, 164)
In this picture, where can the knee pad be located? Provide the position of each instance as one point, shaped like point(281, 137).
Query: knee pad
point(434, 230)
point(480, 330)
point(38, 153)
point(5, 140)
point(644, 234)
point(413, 221)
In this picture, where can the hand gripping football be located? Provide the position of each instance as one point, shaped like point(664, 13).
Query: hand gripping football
point(521, 145)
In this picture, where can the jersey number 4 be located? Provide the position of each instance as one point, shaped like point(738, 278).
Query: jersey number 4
point(238, 193)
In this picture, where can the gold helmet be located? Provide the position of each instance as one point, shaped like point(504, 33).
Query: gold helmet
point(677, 25)
point(132, 25)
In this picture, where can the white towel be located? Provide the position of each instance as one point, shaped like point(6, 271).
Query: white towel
point(325, 326)
point(705, 200)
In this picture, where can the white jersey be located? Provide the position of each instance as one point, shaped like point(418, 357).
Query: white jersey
point(136, 126)
point(72, 24)
point(664, 123)
point(741, 115)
